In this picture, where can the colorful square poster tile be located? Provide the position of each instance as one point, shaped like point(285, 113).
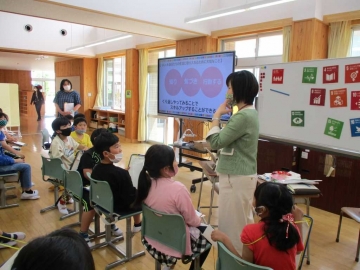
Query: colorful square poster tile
point(355, 100)
point(297, 118)
point(277, 76)
point(338, 98)
point(309, 75)
point(352, 73)
point(317, 96)
point(333, 128)
point(355, 127)
point(331, 74)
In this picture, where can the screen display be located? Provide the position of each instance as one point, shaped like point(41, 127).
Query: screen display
point(194, 86)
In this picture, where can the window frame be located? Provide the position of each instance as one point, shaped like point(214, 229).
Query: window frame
point(354, 28)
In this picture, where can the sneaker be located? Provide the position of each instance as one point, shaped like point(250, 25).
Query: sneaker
point(136, 229)
point(62, 207)
point(69, 200)
point(8, 244)
point(116, 231)
point(30, 196)
point(87, 239)
point(4, 243)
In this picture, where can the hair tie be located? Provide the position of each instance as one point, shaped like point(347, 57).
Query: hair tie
point(290, 219)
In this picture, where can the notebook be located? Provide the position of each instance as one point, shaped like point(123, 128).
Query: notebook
point(136, 164)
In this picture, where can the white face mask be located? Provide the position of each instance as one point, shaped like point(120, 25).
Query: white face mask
point(118, 158)
point(67, 87)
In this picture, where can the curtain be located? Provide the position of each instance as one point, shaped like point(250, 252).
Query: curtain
point(286, 43)
point(100, 80)
point(143, 74)
point(339, 39)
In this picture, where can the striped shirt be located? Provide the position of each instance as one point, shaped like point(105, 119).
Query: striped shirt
point(63, 97)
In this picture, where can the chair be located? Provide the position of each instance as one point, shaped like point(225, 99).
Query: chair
point(46, 139)
point(306, 227)
point(8, 177)
point(53, 173)
point(102, 199)
point(353, 213)
point(208, 171)
point(227, 260)
point(167, 229)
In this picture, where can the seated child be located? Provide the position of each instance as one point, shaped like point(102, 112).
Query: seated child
point(107, 145)
point(87, 162)
point(8, 138)
point(79, 134)
point(10, 164)
point(275, 240)
point(63, 147)
point(158, 190)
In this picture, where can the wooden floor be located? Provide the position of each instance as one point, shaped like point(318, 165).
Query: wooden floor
point(325, 252)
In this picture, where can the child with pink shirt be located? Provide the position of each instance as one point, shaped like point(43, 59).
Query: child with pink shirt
point(159, 191)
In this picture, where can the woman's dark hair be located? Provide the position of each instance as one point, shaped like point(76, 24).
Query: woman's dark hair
point(79, 120)
point(157, 157)
point(244, 85)
point(62, 82)
point(61, 249)
point(104, 141)
point(2, 114)
point(58, 122)
point(96, 133)
point(79, 115)
point(278, 200)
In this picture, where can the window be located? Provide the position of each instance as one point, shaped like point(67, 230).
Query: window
point(355, 42)
point(159, 128)
point(114, 83)
point(257, 50)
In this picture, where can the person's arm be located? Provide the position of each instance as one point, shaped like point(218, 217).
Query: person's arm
point(223, 109)
point(77, 102)
point(247, 254)
point(126, 188)
point(217, 235)
point(9, 138)
point(32, 99)
point(184, 205)
point(12, 150)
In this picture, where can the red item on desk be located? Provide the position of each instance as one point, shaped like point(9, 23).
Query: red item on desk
point(280, 175)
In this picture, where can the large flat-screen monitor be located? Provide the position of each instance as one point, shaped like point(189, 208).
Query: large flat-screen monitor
point(194, 86)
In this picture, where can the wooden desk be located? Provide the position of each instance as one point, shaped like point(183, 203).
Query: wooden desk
point(208, 170)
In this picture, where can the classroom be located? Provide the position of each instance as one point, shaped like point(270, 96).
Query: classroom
point(156, 74)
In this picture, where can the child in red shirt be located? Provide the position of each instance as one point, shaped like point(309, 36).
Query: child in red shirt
point(275, 240)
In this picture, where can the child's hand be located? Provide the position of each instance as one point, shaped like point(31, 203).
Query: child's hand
point(217, 235)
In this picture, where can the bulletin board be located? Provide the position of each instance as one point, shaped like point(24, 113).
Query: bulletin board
point(314, 104)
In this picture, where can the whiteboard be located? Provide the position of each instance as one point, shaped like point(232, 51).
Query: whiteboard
point(284, 98)
point(9, 103)
point(136, 164)
point(75, 82)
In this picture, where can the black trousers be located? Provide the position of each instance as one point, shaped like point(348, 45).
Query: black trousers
point(202, 255)
point(38, 109)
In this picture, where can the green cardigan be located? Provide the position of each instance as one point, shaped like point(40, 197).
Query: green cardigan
point(238, 142)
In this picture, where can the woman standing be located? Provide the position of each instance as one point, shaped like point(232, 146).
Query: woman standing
point(237, 164)
point(66, 95)
point(38, 99)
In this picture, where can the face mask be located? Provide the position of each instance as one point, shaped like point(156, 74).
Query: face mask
point(3, 122)
point(118, 158)
point(66, 132)
point(79, 131)
point(67, 87)
point(230, 97)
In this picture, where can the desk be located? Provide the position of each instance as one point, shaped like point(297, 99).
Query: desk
point(207, 169)
point(189, 164)
point(301, 198)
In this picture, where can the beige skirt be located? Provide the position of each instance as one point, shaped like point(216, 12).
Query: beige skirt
point(235, 205)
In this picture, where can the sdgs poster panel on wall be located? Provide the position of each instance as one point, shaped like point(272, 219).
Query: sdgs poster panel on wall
point(194, 86)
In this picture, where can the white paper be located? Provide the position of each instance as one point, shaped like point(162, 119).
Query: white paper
point(19, 143)
point(68, 107)
point(199, 214)
point(207, 235)
point(136, 164)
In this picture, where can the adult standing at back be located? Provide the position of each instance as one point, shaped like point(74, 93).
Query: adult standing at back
point(38, 100)
point(66, 95)
point(237, 164)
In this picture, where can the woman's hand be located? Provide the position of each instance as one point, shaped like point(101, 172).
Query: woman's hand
point(224, 108)
point(217, 235)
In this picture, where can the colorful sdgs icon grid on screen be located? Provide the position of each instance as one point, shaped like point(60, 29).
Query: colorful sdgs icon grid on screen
point(191, 82)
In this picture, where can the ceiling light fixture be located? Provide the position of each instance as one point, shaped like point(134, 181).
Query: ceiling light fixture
point(234, 10)
point(99, 42)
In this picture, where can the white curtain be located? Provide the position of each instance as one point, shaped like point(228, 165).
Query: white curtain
point(339, 39)
point(143, 75)
point(100, 80)
point(286, 43)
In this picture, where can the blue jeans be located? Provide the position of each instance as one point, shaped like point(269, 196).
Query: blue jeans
point(25, 173)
